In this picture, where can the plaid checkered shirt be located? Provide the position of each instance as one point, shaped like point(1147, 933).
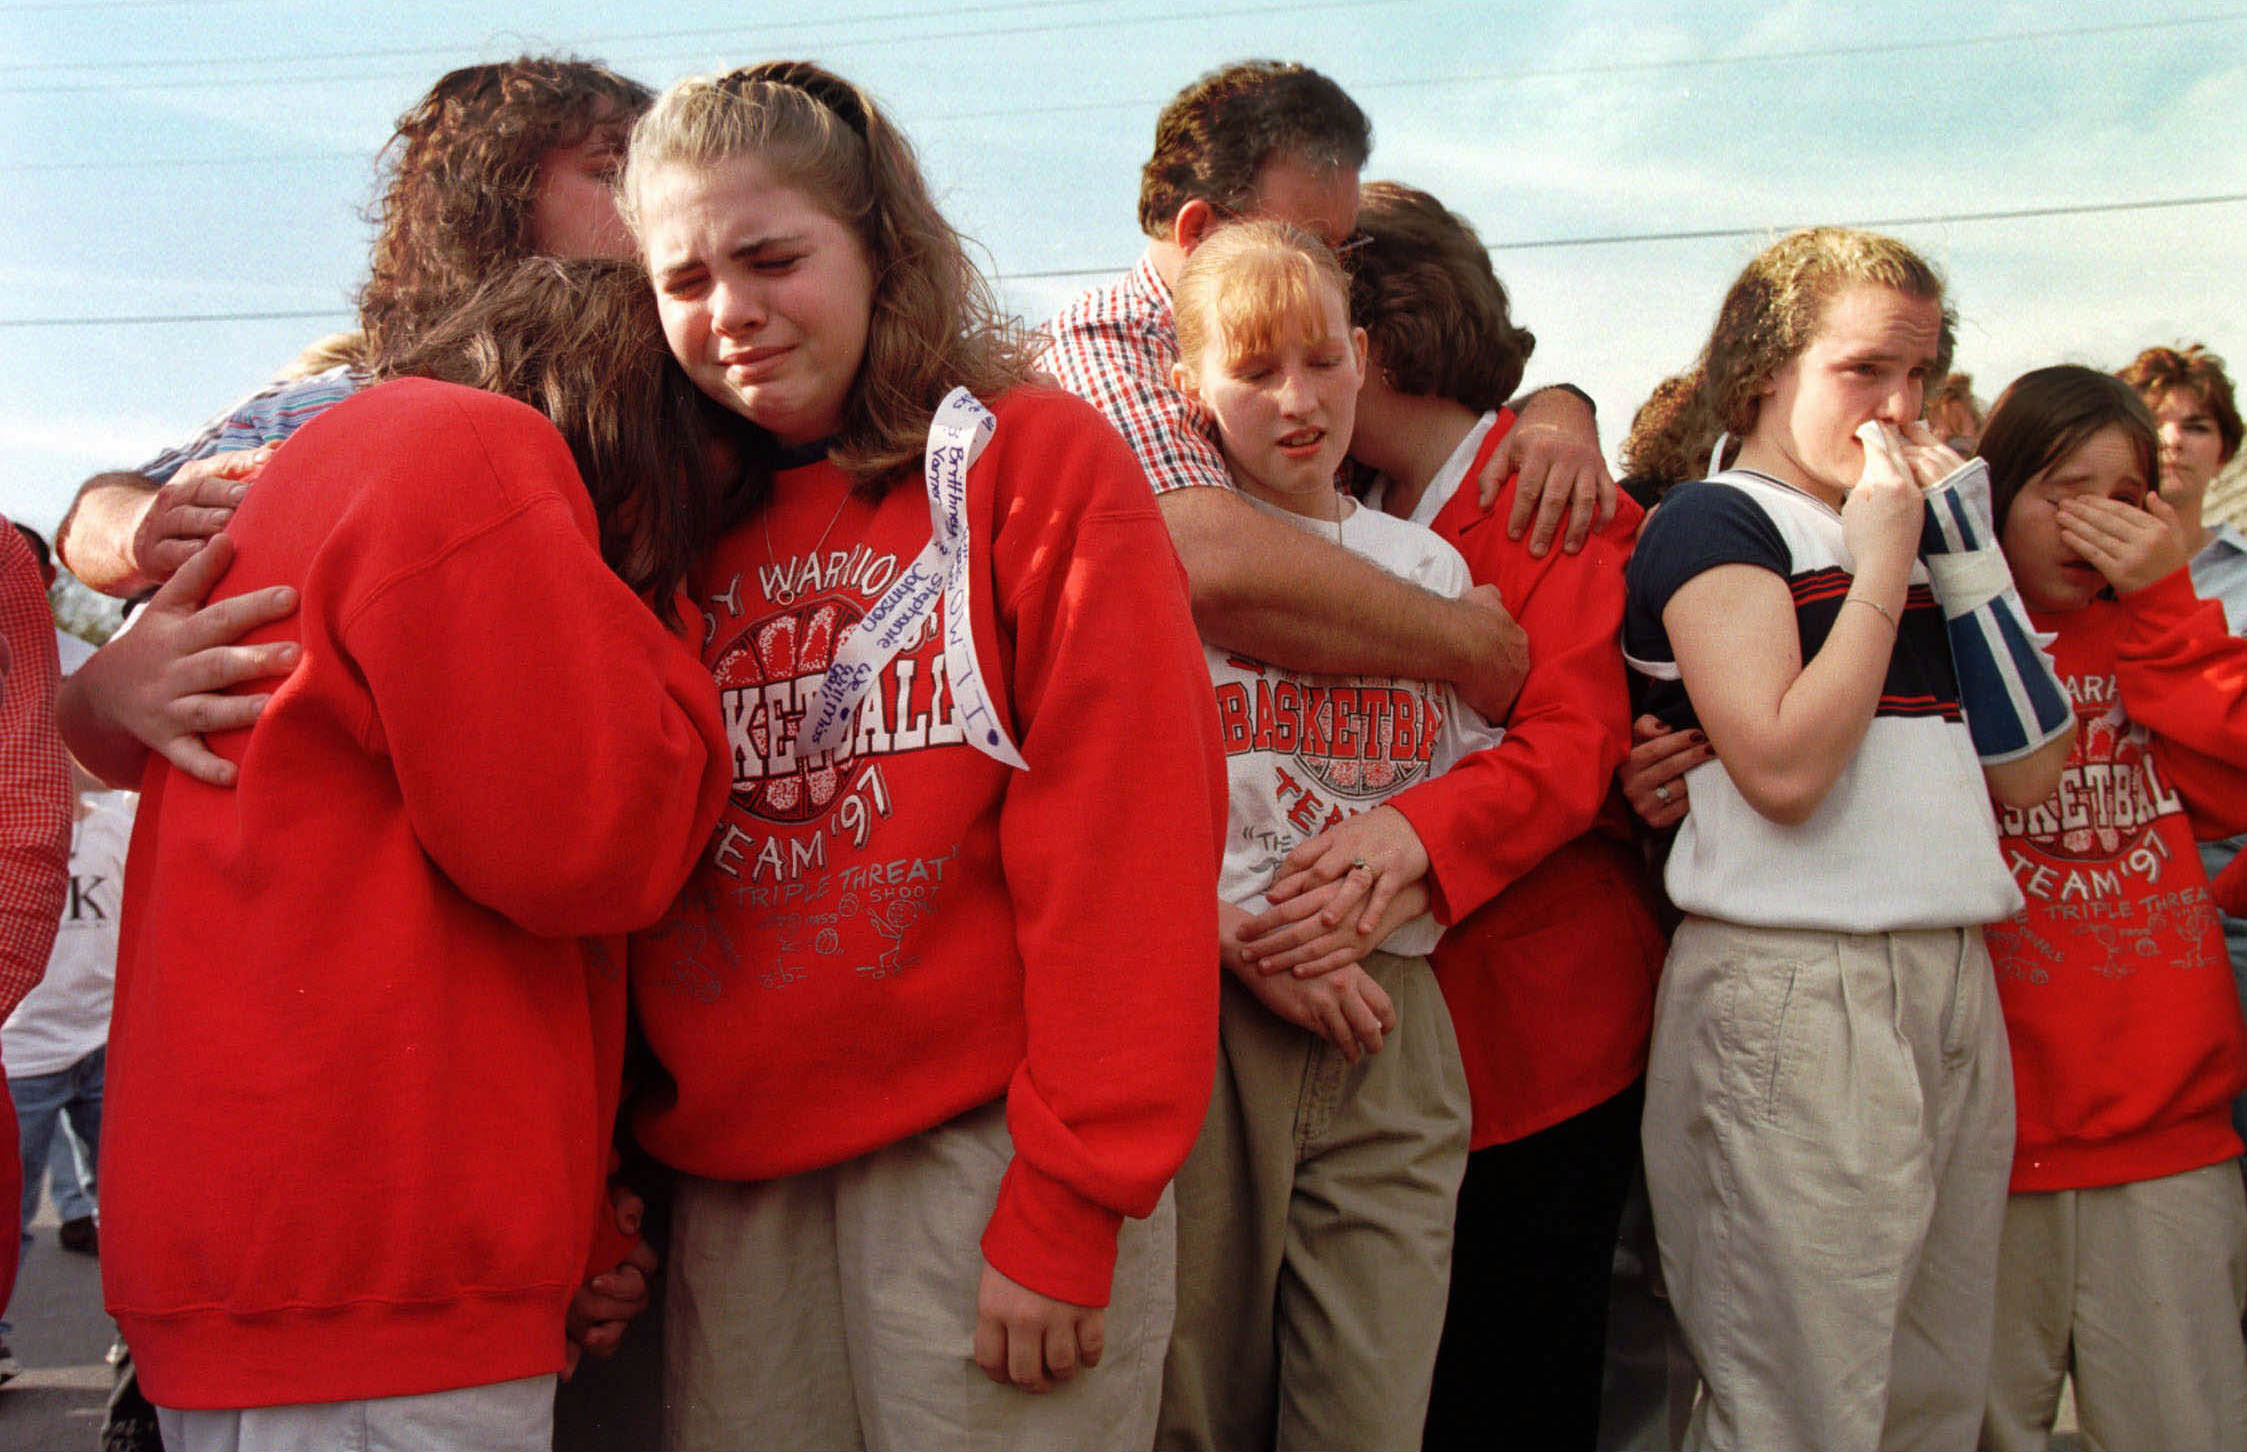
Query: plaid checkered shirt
point(34, 777)
point(1114, 347)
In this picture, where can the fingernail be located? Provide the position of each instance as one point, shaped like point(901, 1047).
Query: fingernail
point(1699, 738)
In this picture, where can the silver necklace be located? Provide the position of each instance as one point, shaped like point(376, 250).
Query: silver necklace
point(764, 523)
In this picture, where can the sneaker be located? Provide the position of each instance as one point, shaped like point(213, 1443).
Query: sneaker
point(10, 1368)
point(80, 1235)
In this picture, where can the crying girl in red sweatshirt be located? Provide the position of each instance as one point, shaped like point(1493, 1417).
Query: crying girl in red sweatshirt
point(2124, 1258)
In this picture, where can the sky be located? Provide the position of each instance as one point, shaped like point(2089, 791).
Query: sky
point(174, 169)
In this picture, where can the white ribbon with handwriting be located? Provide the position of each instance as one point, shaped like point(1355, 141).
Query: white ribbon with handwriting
point(956, 435)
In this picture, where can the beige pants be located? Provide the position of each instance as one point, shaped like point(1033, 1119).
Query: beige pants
point(1829, 1132)
point(2137, 1289)
point(836, 1309)
point(1314, 1230)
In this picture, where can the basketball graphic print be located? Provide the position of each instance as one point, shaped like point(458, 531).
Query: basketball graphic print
point(764, 680)
point(2110, 798)
point(1377, 736)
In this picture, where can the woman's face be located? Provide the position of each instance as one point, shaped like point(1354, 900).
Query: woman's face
point(765, 297)
point(1868, 360)
point(2052, 576)
point(2192, 449)
point(573, 213)
point(1284, 413)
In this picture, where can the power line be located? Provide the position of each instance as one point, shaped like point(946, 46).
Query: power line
point(158, 319)
point(848, 40)
point(2009, 214)
point(638, 37)
point(1545, 73)
point(1821, 52)
point(113, 5)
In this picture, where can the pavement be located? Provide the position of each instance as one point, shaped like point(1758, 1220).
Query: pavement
point(61, 1336)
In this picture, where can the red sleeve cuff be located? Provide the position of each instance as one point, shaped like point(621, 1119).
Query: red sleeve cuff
point(2230, 887)
point(2167, 597)
point(1049, 1238)
point(1422, 808)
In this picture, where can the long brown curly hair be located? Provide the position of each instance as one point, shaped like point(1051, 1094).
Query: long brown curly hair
point(463, 176)
point(935, 323)
point(579, 341)
point(1670, 436)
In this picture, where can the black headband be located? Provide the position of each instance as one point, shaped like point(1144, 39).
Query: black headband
point(828, 89)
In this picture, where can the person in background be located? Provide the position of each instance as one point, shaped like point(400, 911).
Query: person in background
point(496, 163)
point(1952, 414)
point(54, 1043)
point(34, 825)
point(1668, 441)
point(2197, 414)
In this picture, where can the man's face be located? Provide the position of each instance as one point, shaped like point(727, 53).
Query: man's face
point(1323, 201)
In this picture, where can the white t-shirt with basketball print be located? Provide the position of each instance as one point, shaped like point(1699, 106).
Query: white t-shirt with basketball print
point(1304, 752)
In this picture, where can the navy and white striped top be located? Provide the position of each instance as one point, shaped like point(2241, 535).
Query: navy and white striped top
point(1906, 837)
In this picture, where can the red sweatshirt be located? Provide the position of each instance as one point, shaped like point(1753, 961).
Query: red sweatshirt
point(1549, 968)
point(364, 1046)
point(2127, 1043)
point(2230, 887)
point(884, 937)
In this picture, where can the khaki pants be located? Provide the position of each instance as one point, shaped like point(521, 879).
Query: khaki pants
point(1314, 1244)
point(836, 1309)
point(2137, 1289)
point(1829, 1132)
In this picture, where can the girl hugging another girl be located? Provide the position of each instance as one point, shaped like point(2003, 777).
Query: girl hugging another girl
point(1315, 1212)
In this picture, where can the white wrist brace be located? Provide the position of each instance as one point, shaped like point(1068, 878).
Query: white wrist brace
point(2006, 685)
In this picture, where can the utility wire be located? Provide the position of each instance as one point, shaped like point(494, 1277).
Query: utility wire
point(2009, 214)
point(849, 40)
point(113, 5)
point(1545, 73)
point(1000, 7)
